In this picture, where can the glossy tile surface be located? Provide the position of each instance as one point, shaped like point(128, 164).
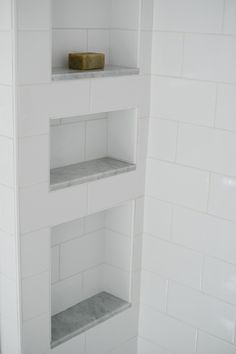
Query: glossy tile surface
point(88, 171)
point(85, 315)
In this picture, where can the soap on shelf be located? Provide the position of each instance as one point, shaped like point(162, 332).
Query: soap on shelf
point(86, 61)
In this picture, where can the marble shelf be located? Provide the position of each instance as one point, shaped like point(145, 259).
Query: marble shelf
point(85, 315)
point(110, 70)
point(87, 171)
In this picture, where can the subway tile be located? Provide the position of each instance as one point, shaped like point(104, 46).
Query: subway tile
point(66, 293)
point(122, 130)
point(145, 47)
point(35, 296)
point(68, 231)
point(71, 107)
point(226, 107)
point(183, 100)
point(73, 346)
point(67, 41)
point(112, 333)
point(117, 282)
point(202, 311)
point(222, 200)
point(123, 47)
point(178, 184)
point(207, 149)
point(169, 261)
point(167, 332)
point(36, 336)
point(96, 139)
point(39, 208)
point(35, 253)
point(6, 15)
point(67, 144)
point(34, 52)
point(229, 17)
point(167, 53)
point(219, 279)
point(147, 347)
point(94, 222)
point(112, 95)
point(212, 345)
point(8, 256)
point(158, 218)
point(6, 112)
point(6, 59)
point(153, 291)
point(81, 254)
point(33, 170)
point(108, 192)
point(98, 41)
point(147, 15)
point(33, 15)
point(216, 62)
point(204, 233)
point(142, 139)
point(7, 209)
point(125, 14)
point(117, 250)
point(81, 14)
point(33, 109)
point(162, 139)
point(139, 216)
point(7, 162)
point(120, 219)
point(137, 254)
point(10, 336)
point(93, 281)
point(189, 16)
point(129, 347)
point(55, 264)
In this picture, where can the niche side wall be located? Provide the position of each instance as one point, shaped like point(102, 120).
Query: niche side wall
point(189, 260)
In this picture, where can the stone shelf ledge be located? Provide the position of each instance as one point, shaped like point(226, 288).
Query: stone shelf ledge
point(83, 172)
point(109, 71)
point(85, 315)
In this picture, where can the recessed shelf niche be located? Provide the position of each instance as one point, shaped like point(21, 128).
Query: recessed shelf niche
point(92, 147)
point(107, 26)
point(91, 271)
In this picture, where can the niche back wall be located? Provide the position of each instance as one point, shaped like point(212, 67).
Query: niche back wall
point(96, 25)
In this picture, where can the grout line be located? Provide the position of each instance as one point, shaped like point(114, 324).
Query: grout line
point(179, 164)
point(197, 125)
point(198, 80)
point(213, 34)
point(192, 250)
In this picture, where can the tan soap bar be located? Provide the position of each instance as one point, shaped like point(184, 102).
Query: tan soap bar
point(86, 61)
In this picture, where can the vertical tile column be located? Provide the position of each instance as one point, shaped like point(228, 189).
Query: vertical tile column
point(33, 81)
point(9, 270)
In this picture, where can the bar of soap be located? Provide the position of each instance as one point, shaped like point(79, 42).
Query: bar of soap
point(86, 61)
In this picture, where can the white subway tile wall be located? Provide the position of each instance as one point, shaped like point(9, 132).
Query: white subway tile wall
point(189, 264)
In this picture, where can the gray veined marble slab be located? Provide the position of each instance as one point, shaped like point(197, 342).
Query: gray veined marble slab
point(109, 70)
point(85, 315)
point(87, 171)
